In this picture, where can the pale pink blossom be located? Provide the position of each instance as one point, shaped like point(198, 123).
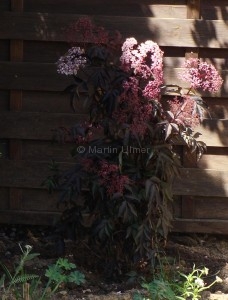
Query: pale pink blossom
point(146, 62)
point(127, 49)
point(184, 111)
point(144, 59)
point(201, 75)
point(71, 62)
point(152, 90)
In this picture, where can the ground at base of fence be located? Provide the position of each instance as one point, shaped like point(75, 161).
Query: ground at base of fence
point(203, 250)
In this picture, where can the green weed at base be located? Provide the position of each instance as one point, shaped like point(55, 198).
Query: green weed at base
point(180, 287)
point(28, 286)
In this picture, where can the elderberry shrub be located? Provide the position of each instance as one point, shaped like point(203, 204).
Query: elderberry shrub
point(118, 194)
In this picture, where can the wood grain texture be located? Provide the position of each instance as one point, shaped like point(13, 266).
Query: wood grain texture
point(38, 200)
point(200, 226)
point(189, 160)
point(17, 5)
point(15, 198)
point(16, 50)
point(51, 102)
point(35, 150)
point(44, 77)
point(192, 181)
point(213, 161)
point(113, 7)
point(29, 217)
point(205, 208)
point(193, 9)
point(15, 149)
point(200, 182)
point(49, 52)
point(15, 104)
point(211, 208)
point(218, 108)
point(166, 32)
point(29, 85)
point(4, 100)
point(15, 100)
point(32, 76)
point(4, 196)
point(213, 132)
point(44, 52)
point(41, 126)
point(4, 49)
point(25, 174)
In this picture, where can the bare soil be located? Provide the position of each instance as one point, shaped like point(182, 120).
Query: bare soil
point(183, 251)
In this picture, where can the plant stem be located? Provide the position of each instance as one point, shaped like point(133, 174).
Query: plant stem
point(45, 290)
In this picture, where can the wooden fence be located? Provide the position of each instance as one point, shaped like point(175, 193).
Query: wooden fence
point(33, 36)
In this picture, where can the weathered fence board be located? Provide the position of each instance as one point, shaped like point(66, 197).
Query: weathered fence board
point(45, 151)
point(202, 226)
point(14, 125)
point(44, 77)
point(215, 162)
point(211, 208)
point(191, 182)
point(144, 8)
point(206, 182)
point(166, 32)
point(32, 103)
point(28, 217)
point(25, 174)
point(42, 127)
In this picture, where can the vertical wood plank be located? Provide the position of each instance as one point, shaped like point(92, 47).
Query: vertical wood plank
point(193, 9)
point(15, 197)
point(16, 50)
point(193, 12)
point(190, 161)
point(17, 5)
point(15, 104)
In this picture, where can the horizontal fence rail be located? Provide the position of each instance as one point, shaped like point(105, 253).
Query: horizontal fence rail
point(165, 31)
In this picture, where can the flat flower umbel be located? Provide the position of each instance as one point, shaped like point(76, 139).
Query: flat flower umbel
point(201, 75)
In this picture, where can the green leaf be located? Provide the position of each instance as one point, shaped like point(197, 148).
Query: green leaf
point(148, 186)
point(9, 275)
point(137, 296)
point(31, 256)
point(151, 154)
point(120, 160)
point(54, 273)
point(76, 277)
point(65, 264)
point(24, 278)
point(2, 281)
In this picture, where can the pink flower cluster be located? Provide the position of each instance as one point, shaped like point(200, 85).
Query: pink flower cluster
point(111, 178)
point(146, 61)
point(184, 111)
point(71, 62)
point(134, 109)
point(90, 32)
point(93, 34)
point(201, 75)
